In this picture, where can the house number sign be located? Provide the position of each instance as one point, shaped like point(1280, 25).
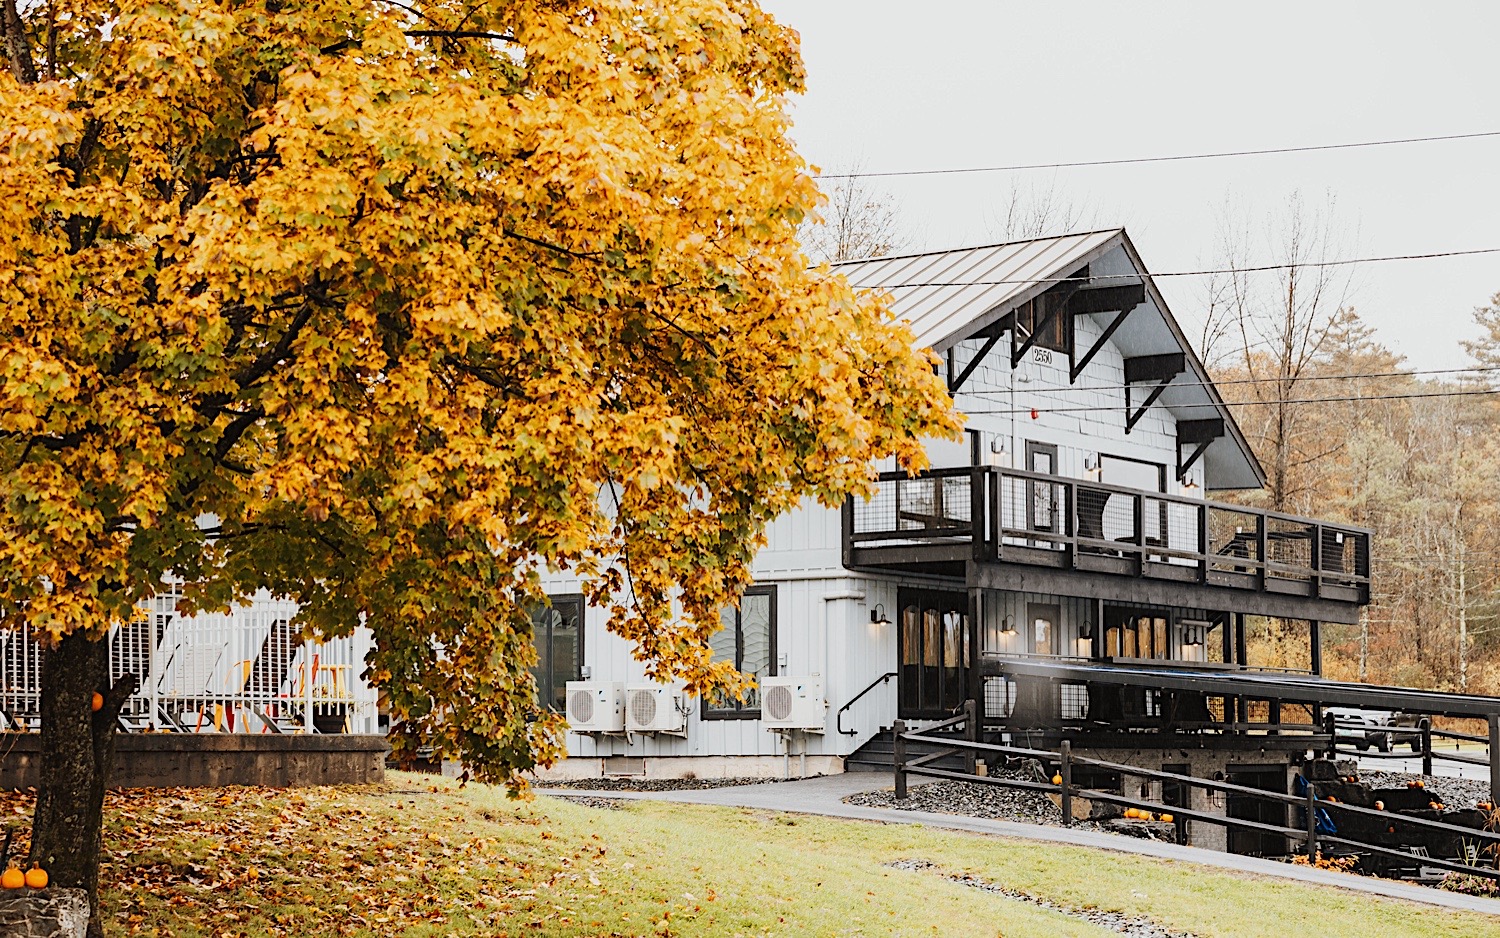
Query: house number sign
point(1042, 356)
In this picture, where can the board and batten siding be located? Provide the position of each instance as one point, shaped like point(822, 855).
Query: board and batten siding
point(823, 627)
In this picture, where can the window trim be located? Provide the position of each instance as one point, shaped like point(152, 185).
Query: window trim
point(552, 602)
point(740, 711)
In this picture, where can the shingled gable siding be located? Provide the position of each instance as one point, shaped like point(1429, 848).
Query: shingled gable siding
point(1077, 434)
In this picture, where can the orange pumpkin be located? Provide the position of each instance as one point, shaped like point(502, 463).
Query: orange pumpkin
point(1380, 806)
point(1167, 818)
point(12, 878)
point(1057, 779)
point(36, 877)
point(1131, 812)
point(97, 703)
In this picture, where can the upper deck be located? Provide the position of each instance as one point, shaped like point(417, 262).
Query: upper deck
point(1005, 528)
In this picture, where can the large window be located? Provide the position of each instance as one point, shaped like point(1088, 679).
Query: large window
point(748, 640)
point(558, 632)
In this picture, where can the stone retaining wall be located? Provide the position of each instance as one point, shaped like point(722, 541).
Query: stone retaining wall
point(172, 760)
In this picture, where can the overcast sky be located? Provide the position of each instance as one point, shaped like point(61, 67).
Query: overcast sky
point(942, 84)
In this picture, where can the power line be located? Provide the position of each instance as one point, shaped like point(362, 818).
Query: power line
point(1073, 164)
point(1347, 262)
point(1309, 400)
point(1240, 381)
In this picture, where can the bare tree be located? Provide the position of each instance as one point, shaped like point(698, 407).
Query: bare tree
point(858, 221)
point(1282, 320)
point(1035, 212)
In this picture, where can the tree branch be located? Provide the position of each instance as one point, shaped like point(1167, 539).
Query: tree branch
point(21, 64)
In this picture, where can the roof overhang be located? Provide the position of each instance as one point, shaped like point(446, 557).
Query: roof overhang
point(946, 297)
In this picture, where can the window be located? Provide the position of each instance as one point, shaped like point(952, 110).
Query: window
point(748, 639)
point(1055, 333)
point(1136, 634)
point(558, 632)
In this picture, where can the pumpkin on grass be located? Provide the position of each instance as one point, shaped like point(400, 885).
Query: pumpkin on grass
point(12, 878)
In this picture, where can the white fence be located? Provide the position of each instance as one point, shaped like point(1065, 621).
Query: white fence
point(245, 671)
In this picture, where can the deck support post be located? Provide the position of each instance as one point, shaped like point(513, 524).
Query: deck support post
point(971, 733)
point(1065, 751)
point(1494, 758)
point(898, 746)
point(1312, 816)
point(1426, 724)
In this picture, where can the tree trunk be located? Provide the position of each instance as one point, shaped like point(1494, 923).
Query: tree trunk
point(78, 749)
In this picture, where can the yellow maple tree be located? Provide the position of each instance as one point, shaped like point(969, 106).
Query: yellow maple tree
point(387, 307)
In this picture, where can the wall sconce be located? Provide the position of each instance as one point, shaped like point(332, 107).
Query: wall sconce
point(1086, 631)
point(997, 445)
point(1008, 625)
point(1092, 466)
point(877, 615)
point(1191, 485)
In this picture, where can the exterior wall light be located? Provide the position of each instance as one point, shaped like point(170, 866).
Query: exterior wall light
point(878, 616)
point(1008, 625)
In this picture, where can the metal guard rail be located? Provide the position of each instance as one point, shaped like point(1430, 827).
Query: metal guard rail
point(1067, 791)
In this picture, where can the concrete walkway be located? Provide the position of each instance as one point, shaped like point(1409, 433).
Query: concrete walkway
point(824, 796)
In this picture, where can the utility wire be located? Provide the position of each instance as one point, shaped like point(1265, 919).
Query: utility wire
point(1155, 159)
point(1308, 400)
point(1237, 381)
point(1174, 273)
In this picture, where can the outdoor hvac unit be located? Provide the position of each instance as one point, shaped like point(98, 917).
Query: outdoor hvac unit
point(596, 706)
point(655, 708)
point(793, 703)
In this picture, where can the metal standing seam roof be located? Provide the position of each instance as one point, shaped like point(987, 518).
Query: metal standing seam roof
point(1000, 277)
point(946, 296)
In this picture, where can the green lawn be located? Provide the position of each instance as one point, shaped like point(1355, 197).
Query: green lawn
point(404, 859)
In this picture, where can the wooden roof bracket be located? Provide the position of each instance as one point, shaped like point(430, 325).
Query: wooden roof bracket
point(954, 383)
point(1200, 434)
point(1155, 368)
point(1124, 299)
point(1064, 290)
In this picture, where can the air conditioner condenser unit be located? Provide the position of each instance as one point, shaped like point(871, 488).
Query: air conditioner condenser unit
point(655, 708)
point(793, 703)
point(596, 706)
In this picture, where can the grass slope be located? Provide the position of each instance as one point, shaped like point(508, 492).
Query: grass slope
point(404, 859)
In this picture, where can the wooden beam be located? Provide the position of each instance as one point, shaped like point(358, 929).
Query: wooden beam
point(954, 383)
point(1134, 417)
point(1183, 465)
point(1199, 431)
point(1107, 299)
point(1155, 367)
point(1105, 336)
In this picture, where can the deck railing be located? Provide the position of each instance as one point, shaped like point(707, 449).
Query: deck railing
point(1008, 515)
point(245, 671)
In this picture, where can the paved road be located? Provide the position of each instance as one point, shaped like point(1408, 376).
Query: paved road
point(824, 796)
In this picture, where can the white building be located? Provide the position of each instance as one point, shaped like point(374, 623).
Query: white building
point(1069, 530)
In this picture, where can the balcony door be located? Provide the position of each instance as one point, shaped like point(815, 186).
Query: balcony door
point(1043, 506)
point(933, 650)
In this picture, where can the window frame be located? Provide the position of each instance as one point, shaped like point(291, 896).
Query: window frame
point(1023, 320)
point(738, 710)
point(547, 696)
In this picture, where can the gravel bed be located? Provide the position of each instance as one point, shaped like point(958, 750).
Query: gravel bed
point(972, 799)
point(1453, 792)
point(658, 784)
point(1116, 922)
point(604, 804)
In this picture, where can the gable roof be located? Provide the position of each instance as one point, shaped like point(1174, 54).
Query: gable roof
point(948, 296)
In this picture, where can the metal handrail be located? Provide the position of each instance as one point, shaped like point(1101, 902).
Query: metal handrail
point(839, 717)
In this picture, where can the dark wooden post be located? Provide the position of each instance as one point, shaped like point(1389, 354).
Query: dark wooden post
point(898, 745)
point(1203, 544)
point(1494, 759)
point(1426, 725)
point(1066, 771)
point(971, 733)
point(1315, 651)
point(1312, 816)
point(1331, 726)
